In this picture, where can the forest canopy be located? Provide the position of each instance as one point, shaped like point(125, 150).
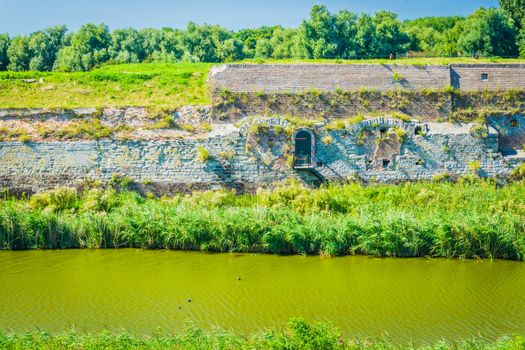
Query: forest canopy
point(488, 32)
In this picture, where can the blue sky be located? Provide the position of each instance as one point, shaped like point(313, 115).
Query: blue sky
point(25, 16)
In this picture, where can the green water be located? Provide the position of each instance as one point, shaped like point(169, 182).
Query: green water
point(418, 299)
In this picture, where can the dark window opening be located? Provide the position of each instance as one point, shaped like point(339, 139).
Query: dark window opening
point(383, 132)
point(386, 163)
point(514, 123)
point(484, 76)
point(418, 130)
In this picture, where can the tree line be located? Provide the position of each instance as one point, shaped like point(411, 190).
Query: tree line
point(342, 35)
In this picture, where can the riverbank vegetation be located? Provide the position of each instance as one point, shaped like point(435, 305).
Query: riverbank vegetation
point(299, 335)
point(324, 35)
point(470, 219)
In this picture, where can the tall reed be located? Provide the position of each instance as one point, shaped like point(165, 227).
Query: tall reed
point(465, 219)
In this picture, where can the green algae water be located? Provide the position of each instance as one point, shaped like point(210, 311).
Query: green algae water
point(140, 291)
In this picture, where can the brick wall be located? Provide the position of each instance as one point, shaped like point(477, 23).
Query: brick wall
point(499, 76)
point(327, 77)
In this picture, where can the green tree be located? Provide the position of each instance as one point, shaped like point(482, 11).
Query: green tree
point(489, 32)
point(432, 34)
point(448, 46)
point(282, 42)
point(19, 54)
point(44, 46)
point(346, 31)
point(4, 44)
point(318, 34)
point(89, 47)
point(163, 45)
point(229, 50)
point(521, 43)
point(515, 9)
point(390, 37)
point(366, 38)
point(201, 42)
point(126, 46)
point(249, 38)
point(263, 49)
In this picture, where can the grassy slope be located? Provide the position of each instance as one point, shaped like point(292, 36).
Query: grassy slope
point(413, 219)
point(146, 84)
point(150, 85)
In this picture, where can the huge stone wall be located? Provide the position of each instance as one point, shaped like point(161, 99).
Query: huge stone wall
point(250, 157)
point(499, 77)
point(328, 77)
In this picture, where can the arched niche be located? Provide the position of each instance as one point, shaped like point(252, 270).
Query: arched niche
point(303, 149)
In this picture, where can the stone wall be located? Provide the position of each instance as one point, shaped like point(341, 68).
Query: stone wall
point(292, 78)
point(381, 149)
point(326, 77)
point(499, 76)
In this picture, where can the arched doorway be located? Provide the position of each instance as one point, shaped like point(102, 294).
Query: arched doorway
point(303, 149)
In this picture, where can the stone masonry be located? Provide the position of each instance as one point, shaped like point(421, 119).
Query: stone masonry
point(328, 77)
point(258, 151)
point(371, 150)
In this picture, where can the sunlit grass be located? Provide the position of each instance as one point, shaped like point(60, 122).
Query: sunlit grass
point(145, 84)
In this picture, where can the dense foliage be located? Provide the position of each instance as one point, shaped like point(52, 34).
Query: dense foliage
point(299, 335)
point(471, 218)
point(341, 35)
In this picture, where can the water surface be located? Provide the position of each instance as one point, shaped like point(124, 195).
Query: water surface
point(139, 291)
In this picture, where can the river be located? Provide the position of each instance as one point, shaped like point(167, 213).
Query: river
point(424, 300)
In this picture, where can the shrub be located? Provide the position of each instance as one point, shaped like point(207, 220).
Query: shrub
point(227, 155)
point(441, 177)
point(56, 200)
point(401, 134)
point(475, 166)
point(396, 77)
point(327, 140)
point(336, 125)
point(479, 131)
point(165, 122)
point(518, 173)
point(203, 155)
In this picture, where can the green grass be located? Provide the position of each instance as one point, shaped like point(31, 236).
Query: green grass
point(146, 84)
point(299, 335)
point(440, 61)
point(471, 219)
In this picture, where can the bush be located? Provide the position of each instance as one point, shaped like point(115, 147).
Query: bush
point(56, 200)
point(518, 173)
point(203, 155)
point(327, 140)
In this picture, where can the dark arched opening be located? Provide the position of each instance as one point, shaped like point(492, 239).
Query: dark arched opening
point(303, 149)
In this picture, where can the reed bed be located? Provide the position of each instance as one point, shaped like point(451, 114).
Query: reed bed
point(467, 219)
point(298, 335)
